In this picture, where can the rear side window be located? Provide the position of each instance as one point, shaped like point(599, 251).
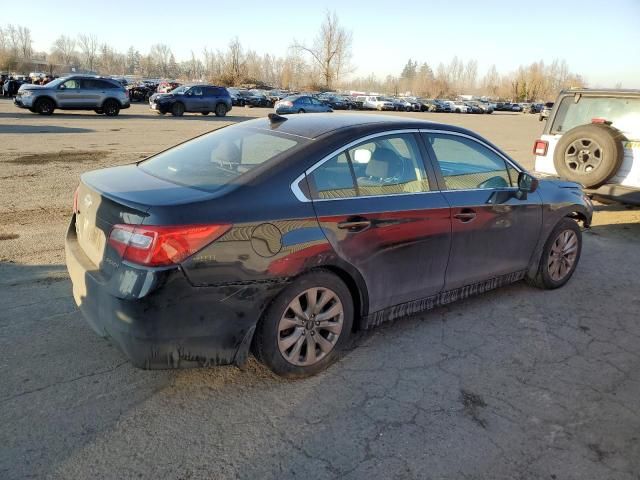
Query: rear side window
point(468, 165)
point(219, 158)
point(385, 165)
point(624, 113)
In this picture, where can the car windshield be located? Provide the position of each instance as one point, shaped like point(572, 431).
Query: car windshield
point(623, 113)
point(220, 158)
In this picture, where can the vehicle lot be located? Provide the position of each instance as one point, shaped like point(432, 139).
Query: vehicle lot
point(517, 383)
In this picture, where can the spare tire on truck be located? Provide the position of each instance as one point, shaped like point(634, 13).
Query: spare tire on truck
point(589, 154)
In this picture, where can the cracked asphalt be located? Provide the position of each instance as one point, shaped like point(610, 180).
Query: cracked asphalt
point(517, 383)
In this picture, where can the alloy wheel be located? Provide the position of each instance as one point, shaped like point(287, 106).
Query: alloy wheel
point(310, 326)
point(583, 155)
point(563, 255)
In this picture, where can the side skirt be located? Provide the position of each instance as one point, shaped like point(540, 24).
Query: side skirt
point(442, 298)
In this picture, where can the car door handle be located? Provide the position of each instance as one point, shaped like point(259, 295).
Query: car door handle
point(465, 215)
point(355, 224)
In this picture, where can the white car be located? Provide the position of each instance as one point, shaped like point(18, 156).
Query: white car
point(593, 137)
point(458, 107)
point(374, 102)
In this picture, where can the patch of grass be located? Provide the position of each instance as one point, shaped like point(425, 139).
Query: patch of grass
point(8, 236)
point(63, 156)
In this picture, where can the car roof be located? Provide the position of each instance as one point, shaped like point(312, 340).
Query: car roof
point(315, 125)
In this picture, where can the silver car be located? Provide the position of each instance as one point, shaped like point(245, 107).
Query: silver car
point(102, 95)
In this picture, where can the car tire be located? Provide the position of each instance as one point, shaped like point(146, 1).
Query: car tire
point(221, 110)
point(281, 325)
point(111, 108)
point(205, 113)
point(177, 110)
point(589, 154)
point(45, 106)
point(560, 256)
point(301, 111)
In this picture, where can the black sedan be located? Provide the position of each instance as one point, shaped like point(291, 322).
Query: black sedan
point(282, 236)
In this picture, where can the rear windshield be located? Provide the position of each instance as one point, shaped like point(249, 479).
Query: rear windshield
point(219, 158)
point(623, 113)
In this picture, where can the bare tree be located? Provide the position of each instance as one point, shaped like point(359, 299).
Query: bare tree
point(65, 49)
point(89, 46)
point(331, 50)
point(234, 68)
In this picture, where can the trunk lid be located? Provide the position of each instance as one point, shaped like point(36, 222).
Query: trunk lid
point(115, 196)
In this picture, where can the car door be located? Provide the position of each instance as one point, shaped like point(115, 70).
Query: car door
point(380, 211)
point(494, 229)
point(69, 94)
point(92, 91)
point(195, 100)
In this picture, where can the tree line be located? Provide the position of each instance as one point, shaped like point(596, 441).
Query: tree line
point(322, 64)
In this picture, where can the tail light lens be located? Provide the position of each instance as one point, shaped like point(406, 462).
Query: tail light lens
point(155, 246)
point(287, 104)
point(540, 148)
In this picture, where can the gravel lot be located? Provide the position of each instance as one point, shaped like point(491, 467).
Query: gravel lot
point(515, 384)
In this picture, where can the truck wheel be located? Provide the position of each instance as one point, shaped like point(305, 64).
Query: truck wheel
point(589, 154)
point(45, 106)
point(306, 327)
point(221, 110)
point(177, 110)
point(560, 256)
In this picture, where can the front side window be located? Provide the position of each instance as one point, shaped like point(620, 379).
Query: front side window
point(70, 84)
point(196, 91)
point(220, 158)
point(468, 165)
point(386, 165)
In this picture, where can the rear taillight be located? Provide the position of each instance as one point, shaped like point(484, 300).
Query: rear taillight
point(600, 121)
point(75, 200)
point(287, 104)
point(154, 246)
point(540, 148)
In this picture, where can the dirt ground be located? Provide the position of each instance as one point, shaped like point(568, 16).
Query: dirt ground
point(517, 383)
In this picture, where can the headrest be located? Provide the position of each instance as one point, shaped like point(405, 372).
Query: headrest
point(384, 163)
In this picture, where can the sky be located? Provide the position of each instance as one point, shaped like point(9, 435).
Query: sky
point(599, 39)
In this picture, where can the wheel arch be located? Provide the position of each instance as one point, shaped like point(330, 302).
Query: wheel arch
point(46, 97)
point(111, 99)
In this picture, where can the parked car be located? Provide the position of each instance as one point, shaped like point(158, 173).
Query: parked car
point(301, 104)
point(487, 107)
point(473, 107)
point(376, 102)
point(166, 87)
point(255, 236)
point(593, 137)
point(402, 104)
point(141, 91)
point(516, 107)
point(197, 98)
point(458, 107)
point(11, 86)
point(78, 92)
point(443, 106)
point(337, 102)
point(546, 111)
point(535, 108)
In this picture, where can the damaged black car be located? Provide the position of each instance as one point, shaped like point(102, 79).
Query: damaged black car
point(282, 236)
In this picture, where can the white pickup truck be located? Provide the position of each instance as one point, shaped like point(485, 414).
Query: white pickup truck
point(593, 137)
point(374, 102)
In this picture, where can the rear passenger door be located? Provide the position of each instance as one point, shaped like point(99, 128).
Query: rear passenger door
point(381, 212)
point(493, 232)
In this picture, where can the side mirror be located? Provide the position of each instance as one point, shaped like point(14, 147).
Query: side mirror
point(527, 183)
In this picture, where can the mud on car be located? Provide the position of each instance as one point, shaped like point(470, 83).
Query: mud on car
point(593, 137)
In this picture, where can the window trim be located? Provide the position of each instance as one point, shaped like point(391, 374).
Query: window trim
point(297, 192)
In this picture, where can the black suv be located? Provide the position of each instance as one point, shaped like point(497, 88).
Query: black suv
point(202, 99)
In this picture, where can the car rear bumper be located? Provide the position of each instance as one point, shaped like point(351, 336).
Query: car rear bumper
point(159, 320)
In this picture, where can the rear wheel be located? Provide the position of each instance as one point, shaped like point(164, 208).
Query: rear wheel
point(177, 110)
point(221, 110)
point(306, 327)
point(99, 111)
point(560, 256)
point(45, 106)
point(111, 108)
point(301, 110)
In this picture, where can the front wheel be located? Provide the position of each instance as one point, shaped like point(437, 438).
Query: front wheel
point(560, 256)
point(45, 106)
point(177, 110)
point(221, 110)
point(111, 108)
point(301, 111)
point(306, 327)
